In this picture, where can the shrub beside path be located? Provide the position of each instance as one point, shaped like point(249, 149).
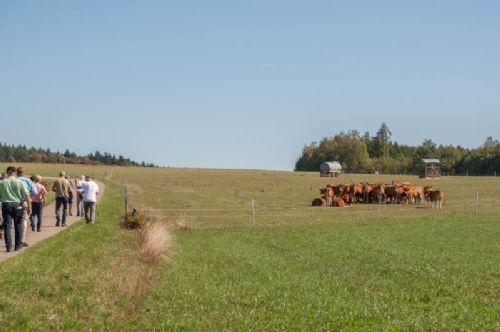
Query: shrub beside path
point(48, 227)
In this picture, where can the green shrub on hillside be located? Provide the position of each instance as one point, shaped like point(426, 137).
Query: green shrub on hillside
point(136, 219)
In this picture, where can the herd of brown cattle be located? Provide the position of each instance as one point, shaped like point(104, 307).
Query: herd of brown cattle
point(343, 195)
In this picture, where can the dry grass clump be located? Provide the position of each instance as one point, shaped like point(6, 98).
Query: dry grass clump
point(156, 242)
point(154, 245)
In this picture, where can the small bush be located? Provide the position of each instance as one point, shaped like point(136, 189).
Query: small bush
point(136, 219)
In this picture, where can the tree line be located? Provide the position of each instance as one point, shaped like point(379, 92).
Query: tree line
point(369, 154)
point(21, 153)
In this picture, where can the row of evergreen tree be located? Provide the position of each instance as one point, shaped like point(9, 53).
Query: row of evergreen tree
point(21, 153)
point(366, 154)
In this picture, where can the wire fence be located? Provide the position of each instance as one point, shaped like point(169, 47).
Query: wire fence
point(269, 215)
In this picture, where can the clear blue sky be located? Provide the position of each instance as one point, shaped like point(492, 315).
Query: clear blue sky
point(245, 84)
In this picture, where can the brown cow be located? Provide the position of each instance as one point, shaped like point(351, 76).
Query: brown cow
point(419, 195)
point(356, 192)
point(348, 199)
point(345, 188)
point(337, 190)
point(391, 194)
point(400, 194)
point(427, 190)
point(367, 191)
point(318, 202)
point(410, 193)
point(339, 202)
point(378, 193)
point(436, 197)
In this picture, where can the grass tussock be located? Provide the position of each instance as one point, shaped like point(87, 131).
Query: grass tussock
point(156, 242)
point(155, 245)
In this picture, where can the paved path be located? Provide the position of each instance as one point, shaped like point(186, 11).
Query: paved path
point(48, 227)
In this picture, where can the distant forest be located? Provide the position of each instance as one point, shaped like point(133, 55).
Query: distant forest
point(21, 153)
point(367, 154)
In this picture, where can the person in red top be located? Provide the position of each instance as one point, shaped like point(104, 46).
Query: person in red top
point(37, 203)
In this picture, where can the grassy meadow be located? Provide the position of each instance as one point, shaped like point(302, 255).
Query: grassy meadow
point(299, 268)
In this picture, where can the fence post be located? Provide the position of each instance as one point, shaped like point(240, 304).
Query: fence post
point(379, 210)
point(477, 201)
point(126, 198)
point(253, 211)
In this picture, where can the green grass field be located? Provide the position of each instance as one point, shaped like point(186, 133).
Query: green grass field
point(299, 268)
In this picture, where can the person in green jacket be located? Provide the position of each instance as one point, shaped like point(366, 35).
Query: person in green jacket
point(12, 195)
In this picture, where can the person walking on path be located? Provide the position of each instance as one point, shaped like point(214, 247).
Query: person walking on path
point(79, 196)
point(37, 203)
point(90, 192)
point(2, 176)
point(30, 186)
point(61, 187)
point(12, 195)
point(70, 197)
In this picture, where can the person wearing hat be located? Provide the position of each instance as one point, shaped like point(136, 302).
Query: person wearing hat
point(12, 195)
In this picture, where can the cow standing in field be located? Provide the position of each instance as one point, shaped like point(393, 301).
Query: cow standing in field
point(391, 194)
point(409, 193)
point(436, 198)
point(356, 192)
point(427, 190)
point(337, 190)
point(419, 195)
point(400, 194)
point(345, 188)
point(367, 192)
point(378, 193)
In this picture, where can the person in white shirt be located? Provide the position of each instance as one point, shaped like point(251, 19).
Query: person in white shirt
point(79, 195)
point(90, 191)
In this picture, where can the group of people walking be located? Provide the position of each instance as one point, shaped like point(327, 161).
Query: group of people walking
point(22, 201)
